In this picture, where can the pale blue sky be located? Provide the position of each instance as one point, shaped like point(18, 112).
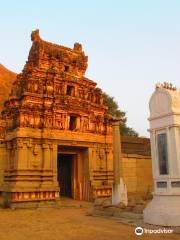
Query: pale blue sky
point(131, 44)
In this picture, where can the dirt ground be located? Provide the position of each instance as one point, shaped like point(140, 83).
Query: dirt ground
point(70, 223)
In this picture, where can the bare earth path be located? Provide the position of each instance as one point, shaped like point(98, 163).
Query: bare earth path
point(67, 224)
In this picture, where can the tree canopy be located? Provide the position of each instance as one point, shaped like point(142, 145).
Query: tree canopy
point(113, 110)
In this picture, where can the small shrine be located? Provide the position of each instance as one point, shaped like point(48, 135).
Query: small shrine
point(165, 147)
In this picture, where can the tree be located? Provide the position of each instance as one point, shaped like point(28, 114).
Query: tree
point(113, 110)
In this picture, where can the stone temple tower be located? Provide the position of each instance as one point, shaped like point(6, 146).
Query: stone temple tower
point(55, 134)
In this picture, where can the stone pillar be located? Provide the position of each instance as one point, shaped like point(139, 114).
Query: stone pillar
point(21, 164)
point(116, 151)
point(54, 164)
point(46, 157)
point(116, 162)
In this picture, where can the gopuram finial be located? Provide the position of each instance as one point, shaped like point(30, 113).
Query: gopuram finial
point(35, 35)
point(166, 85)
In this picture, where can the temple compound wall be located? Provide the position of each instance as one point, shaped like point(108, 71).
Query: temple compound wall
point(136, 166)
point(55, 135)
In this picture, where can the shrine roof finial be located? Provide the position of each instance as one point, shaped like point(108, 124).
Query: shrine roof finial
point(35, 35)
point(166, 85)
point(77, 47)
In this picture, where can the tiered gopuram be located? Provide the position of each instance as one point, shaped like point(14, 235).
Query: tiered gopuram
point(56, 138)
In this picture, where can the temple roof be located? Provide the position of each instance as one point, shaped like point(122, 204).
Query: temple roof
point(46, 51)
point(35, 37)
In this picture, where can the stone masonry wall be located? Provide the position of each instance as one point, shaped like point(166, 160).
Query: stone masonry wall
point(136, 165)
point(136, 171)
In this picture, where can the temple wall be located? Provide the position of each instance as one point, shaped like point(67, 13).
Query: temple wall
point(136, 171)
point(30, 171)
point(39, 160)
point(100, 170)
point(136, 165)
point(95, 163)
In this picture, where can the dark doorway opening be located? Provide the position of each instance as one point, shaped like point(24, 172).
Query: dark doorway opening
point(65, 170)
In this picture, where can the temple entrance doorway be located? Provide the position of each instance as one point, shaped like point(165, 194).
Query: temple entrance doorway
point(73, 172)
point(65, 174)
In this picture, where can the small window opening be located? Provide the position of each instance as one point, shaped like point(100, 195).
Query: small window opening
point(72, 123)
point(70, 90)
point(66, 68)
point(162, 153)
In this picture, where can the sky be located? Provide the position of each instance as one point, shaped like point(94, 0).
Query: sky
point(131, 45)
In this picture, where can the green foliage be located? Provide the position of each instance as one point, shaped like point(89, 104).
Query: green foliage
point(127, 131)
point(113, 110)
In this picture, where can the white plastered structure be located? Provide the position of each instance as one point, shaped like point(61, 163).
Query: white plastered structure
point(164, 209)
